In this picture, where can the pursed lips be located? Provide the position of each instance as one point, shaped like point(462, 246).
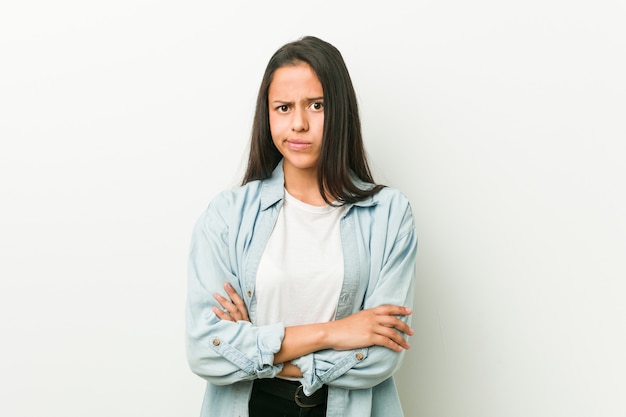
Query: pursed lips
point(297, 144)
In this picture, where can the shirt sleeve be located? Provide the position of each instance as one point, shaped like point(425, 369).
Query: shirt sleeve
point(222, 352)
point(367, 367)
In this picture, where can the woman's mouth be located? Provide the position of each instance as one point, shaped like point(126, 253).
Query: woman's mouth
point(297, 144)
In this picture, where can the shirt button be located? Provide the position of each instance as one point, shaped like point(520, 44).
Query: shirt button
point(216, 342)
point(249, 293)
point(359, 356)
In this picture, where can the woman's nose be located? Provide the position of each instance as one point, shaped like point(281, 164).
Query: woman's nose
point(299, 121)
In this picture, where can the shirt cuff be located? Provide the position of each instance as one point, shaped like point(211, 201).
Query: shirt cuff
point(269, 341)
point(256, 358)
point(322, 367)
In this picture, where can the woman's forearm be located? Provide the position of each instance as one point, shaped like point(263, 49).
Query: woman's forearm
point(302, 340)
point(377, 326)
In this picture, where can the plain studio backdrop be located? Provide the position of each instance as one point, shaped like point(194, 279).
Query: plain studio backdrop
point(503, 122)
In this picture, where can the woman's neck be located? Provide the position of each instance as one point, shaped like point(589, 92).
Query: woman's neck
point(303, 186)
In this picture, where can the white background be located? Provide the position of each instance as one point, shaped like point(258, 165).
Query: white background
point(503, 122)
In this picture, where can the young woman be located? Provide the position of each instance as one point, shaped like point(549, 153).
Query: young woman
point(301, 280)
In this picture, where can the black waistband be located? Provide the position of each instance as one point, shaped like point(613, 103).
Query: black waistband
point(292, 391)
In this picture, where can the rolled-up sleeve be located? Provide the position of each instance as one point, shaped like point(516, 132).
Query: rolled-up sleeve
point(222, 352)
point(394, 284)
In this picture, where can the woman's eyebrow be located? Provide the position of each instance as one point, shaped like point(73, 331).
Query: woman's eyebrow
point(291, 102)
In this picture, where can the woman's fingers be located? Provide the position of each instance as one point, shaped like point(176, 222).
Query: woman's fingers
point(380, 326)
point(223, 315)
point(242, 311)
point(392, 338)
point(395, 323)
point(391, 310)
point(226, 309)
point(388, 316)
point(233, 309)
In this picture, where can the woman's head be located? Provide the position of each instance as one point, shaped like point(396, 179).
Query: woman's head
point(342, 148)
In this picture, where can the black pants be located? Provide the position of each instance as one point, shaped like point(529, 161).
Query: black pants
point(270, 399)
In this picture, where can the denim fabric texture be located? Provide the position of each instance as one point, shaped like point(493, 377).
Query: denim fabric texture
point(379, 247)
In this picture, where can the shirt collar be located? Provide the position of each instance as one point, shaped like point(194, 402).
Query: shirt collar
point(273, 189)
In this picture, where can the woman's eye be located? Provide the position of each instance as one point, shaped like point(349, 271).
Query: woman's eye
point(317, 106)
point(283, 109)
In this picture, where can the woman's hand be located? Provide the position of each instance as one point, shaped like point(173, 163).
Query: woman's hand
point(375, 326)
point(233, 309)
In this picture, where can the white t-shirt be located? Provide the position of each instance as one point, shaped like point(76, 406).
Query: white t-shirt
point(301, 271)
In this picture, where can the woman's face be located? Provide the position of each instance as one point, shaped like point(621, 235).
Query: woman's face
point(296, 117)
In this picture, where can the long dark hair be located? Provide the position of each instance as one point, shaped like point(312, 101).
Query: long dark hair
point(342, 153)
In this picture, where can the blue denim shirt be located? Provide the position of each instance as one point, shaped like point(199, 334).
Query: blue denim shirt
point(379, 249)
